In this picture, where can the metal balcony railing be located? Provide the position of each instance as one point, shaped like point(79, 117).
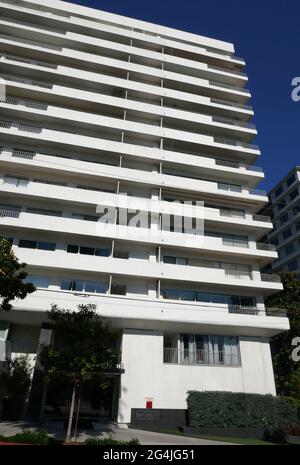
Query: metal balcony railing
point(30, 82)
point(230, 164)
point(7, 213)
point(200, 357)
point(243, 310)
point(263, 246)
point(223, 119)
point(19, 126)
point(231, 104)
point(26, 102)
point(277, 312)
point(28, 61)
point(23, 154)
point(272, 278)
point(236, 274)
point(265, 219)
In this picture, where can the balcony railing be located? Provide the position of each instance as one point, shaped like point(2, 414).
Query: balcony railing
point(237, 274)
point(30, 82)
point(221, 140)
point(278, 312)
point(28, 61)
point(265, 219)
point(257, 192)
point(227, 70)
point(272, 278)
point(26, 102)
point(231, 104)
point(200, 357)
point(229, 86)
point(243, 310)
point(232, 214)
point(6, 213)
point(263, 246)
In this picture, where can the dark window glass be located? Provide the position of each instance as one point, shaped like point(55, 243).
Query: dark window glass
point(168, 259)
point(292, 265)
point(247, 301)
point(121, 254)
point(203, 297)
point(281, 205)
point(289, 249)
point(290, 180)
point(287, 233)
point(218, 299)
point(66, 285)
point(293, 194)
point(78, 286)
point(170, 294)
point(102, 252)
point(278, 191)
point(27, 244)
point(118, 289)
point(46, 246)
point(188, 295)
point(72, 248)
point(87, 250)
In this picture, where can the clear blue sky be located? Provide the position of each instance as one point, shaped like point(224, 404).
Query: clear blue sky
point(267, 34)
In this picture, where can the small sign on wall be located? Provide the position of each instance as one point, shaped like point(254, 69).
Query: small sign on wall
point(149, 402)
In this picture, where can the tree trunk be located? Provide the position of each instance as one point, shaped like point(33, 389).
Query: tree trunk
point(69, 431)
point(76, 422)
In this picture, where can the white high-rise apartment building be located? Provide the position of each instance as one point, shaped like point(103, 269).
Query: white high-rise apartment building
point(284, 207)
point(98, 106)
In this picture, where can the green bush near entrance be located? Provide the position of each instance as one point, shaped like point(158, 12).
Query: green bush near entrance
point(240, 410)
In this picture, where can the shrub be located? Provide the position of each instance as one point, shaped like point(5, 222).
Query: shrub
point(28, 437)
point(230, 409)
point(294, 430)
point(110, 441)
point(276, 435)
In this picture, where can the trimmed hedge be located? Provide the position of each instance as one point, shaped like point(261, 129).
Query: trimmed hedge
point(235, 409)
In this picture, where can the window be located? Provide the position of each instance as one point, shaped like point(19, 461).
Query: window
point(289, 249)
point(71, 248)
point(81, 216)
point(38, 281)
point(281, 205)
point(234, 240)
point(27, 244)
point(290, 180)
point(293, 265)
point(118, 289)
point(293, 194)
point(175, 260)
point(284, 218)
point(121, 254)
point(287, 233)
point(205, 297)
point(278, 191)
point(83, 286)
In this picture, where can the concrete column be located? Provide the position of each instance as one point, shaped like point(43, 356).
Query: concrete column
point(38, 389)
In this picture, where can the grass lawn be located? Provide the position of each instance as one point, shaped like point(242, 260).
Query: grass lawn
point(233, 440)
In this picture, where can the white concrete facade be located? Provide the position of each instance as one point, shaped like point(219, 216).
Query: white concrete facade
point(101, 110)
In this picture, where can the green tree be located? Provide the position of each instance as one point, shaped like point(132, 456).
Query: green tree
point(12, 275)
point(287, 371)
point(85, 347)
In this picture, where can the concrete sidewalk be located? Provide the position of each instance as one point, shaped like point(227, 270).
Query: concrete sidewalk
point(123, 434)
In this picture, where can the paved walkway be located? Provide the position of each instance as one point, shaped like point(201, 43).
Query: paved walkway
point(123, 434)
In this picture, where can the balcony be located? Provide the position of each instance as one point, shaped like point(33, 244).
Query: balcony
point(200, 357)
point(221, 140)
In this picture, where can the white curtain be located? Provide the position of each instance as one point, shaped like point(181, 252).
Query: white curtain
point(231, 350)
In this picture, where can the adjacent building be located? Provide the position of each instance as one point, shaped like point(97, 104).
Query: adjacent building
point(104, 112)
point(284, 207)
